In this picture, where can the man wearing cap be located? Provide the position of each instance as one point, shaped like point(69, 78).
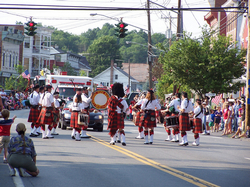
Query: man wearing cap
point(55, 113)
point(85, 101)
point(34, 111)
point(46, 115)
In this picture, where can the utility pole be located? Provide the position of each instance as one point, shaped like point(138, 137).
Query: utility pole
point(149, 48)
point(170, 28)
point(247, 120)
point(178, 32)
point(129, 74)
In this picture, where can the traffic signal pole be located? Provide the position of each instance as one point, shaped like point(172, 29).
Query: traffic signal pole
point(149, 48)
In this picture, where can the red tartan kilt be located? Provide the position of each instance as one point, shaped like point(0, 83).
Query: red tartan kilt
point(138, 118)
point(197, 125)
point(43, 120)
point(149, 120)
point(33, 115)
point(184, 122)
point(112, 120)
point(120, 121)
point(74, 120)
point(56, 112)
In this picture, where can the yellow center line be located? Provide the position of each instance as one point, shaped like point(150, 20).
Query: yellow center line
point(182, 175)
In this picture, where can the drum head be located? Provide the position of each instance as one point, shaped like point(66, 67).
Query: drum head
point(100, 99)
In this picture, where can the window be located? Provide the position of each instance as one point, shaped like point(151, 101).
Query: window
point(27, 45)
point(116, 76)
point(10, 62)
point(3, 59)
point(16, 60)
point(13, 61)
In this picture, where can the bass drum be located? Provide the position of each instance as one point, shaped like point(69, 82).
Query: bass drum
point(100, 99)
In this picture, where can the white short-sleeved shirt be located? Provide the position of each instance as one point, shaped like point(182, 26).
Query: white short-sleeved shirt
point(151, 105)
point(176, 102)
point(34, 98)
point(187, 105)
point(125, 106)
point(86, 100)
point(56, 103)
point(47, 100)
point(197, 111)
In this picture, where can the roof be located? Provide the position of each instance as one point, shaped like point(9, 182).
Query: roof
point(138, 70)
point(120, 70)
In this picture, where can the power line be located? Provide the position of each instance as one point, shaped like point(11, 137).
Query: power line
point(66, 7)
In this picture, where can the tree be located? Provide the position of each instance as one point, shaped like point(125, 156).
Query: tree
point(101, 51)
point(211, 64)
point(18, 83)
point(67, 67)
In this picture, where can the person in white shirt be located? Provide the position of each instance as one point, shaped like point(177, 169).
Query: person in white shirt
point(85, 101)
point(34, 99)
point(139, 117)
point(75, 108)
point(149, 106)
point(46, 114)
point(197, 116)
point(56, 113)
point(185, 108)
point(4, 97)
point(120, 123)
point(174, 103)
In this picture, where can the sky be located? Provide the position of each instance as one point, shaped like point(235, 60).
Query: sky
point(77, 22)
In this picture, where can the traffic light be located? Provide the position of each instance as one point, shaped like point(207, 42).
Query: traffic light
point(30, 29)
point(121, 29)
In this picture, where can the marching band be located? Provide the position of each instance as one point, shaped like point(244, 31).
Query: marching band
point(178, 116)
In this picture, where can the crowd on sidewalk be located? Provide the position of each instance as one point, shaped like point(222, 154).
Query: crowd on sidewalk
point(14, 100)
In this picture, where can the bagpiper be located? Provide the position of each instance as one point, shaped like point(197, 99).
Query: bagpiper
point(46, 114)
point(34, 111)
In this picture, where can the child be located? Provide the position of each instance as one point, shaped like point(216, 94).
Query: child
point(240, 131)
point(218, 115)
point(5, 126)
point(211, 123)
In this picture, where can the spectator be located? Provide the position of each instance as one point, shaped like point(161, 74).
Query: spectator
point(241, 122)
point(4, 96)
point(1, 105)
point(211, 123)
point(226, 116)
point(22, 154)
point(5, 126)
point(217, 121)
point(236, 118)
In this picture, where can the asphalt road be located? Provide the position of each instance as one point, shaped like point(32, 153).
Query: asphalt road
point(218, 161)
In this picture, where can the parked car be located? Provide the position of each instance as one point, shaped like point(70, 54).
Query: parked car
point(95, 118)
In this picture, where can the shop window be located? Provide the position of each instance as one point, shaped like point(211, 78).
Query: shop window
point(116, 77)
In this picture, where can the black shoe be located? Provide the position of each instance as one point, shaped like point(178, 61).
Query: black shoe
point(185, 144)
point(146, 142)
point(208, 134)
point(150, 142)
point(118, 141)
point(33, 135)
point(45, 137)
point(123, 143)
point(176, 141)
point(73, 137)
point(112, 143)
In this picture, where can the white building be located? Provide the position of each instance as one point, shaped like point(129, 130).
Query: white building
point(78, 62)
point(10, 50)
point(36, 51)
point(104, 78)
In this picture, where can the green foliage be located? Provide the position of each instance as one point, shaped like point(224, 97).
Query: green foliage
point(17, 83)
point(206, 65)
point(101, 51)
point(83, 73)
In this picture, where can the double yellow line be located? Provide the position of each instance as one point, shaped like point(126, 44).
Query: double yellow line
point(184, 176)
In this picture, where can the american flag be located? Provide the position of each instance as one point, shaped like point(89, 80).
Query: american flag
point(217, 99)
point(26, 74)
point(127, 89)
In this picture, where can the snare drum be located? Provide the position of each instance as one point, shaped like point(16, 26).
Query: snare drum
point(171, 121)
point(83, 119)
